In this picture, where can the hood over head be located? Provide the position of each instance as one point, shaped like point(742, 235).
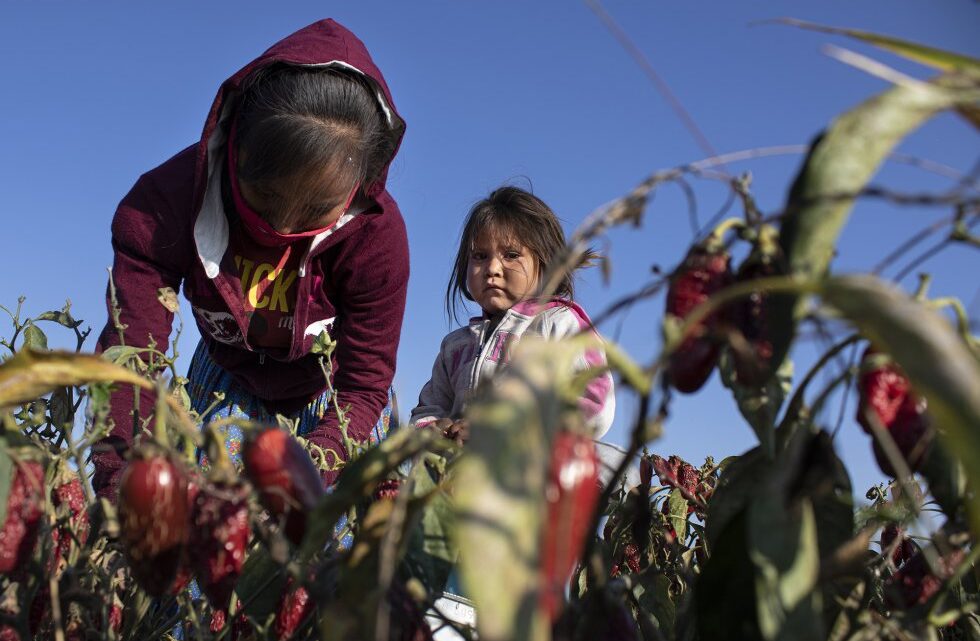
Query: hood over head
point(323, 43)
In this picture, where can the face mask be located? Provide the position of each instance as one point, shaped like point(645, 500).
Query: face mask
point(261, 231)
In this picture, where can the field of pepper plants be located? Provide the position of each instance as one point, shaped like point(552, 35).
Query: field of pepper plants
point(772, 544)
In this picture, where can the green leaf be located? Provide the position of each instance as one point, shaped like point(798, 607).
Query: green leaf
point(121, 354)
point(724, 595)
point(499, 487)
point(261, 584)
point(799, 515)
point(431, 551)
point(931, 56)
point(677, 514)
point(797, 508)
point(63, 318)
point(30, 374)
point(759, 406)
point(934, 357)
point(841, 162)
point(168, 298)
point(784, 551)
point(34, 338)
point(6, 477)
point(60, 408)
point(654, 597)
point(946, 479)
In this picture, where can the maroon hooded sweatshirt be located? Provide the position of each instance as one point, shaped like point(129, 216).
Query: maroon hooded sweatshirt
point(172, 230)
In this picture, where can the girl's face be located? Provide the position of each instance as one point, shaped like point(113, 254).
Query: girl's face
point(501, 272)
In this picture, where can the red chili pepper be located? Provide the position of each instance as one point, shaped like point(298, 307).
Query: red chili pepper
point(904, 550)
point(887, 394)
point(702, 273)
point(753, 368)
point(294, 607)
point(184, 571)
point(915, 582)
point(283, 472)
point(153, 519)
point(116, 617)
point(25, 507)
point(571, 493)
point(387, 489)
point(68, 499)
point(219, 539)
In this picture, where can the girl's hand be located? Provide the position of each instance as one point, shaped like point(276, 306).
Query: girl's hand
point(457, 431)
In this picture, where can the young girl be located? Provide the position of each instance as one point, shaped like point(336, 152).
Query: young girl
point(509, 242)
point(278, 226)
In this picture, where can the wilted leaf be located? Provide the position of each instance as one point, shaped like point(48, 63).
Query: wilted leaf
point(839, 165)
point(934, 357)
point(62, 318)
point(34, 338)
point(168, 298)
point(931, 56)
point(30, 374)
point(60, 407)
point(122, 354)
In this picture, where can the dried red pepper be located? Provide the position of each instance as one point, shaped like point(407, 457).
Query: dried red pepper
point(25, 507)
point(289, 484)
point(916, 582)
point(753, 361)
point(887, 395)
point(706, 269)
point(294, 607)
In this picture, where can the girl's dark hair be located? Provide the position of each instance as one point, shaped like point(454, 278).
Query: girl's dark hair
point(292, 119)
point(521, 215)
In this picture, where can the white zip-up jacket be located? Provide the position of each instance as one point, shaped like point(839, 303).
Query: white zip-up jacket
point(473, 353)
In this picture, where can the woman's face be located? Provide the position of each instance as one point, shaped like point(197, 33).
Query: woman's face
point(500, 273)
point(298, 203)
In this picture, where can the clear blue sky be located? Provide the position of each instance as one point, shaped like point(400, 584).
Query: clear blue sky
point(95, 93)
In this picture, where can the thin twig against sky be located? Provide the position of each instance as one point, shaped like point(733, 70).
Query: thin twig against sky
point(627, 43)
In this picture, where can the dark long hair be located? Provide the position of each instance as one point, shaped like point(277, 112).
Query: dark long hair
point(293, 120)
point(521, 215)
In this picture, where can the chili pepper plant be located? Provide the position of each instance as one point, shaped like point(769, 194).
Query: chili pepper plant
point(772, 543)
